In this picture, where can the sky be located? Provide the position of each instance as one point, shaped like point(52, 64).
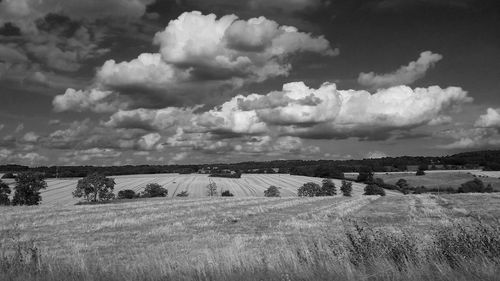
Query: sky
point(117, 82)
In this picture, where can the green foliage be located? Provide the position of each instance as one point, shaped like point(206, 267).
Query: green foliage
point(365, 175)
point(403, 184)
point(328, 188)
point(127, 194)
point(309, 189)
point(183, 194)
point(226, 193)
point(154, 190)
point(373, 189)
point(8, 176)
point(346, 188)
point(420, 172)
point(95, 188)
point(212, 189)
point(235, 175)
point(27, 189)
point(4, 193)
point(475, 185)
point(272, 191)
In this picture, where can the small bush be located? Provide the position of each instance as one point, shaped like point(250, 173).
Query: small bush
point(226, 193)
point(183, 194)
point(154, 190)
point(272, 191)
point(127, 194)
point(309, 189)
point(373, 189)
point(346, 188)
point(475, 185)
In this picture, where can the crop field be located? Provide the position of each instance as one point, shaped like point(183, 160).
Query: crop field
point(59, 191)
point(439, 179)
point(240, 238)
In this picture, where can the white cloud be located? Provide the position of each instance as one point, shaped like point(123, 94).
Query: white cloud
point(202, 58)
point(93, 100)
point(489, 120)
point(330, 113)
point(405, 75)
point(375, 155)
point(30, 137)
point(149, 141)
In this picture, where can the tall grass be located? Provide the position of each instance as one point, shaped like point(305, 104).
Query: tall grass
point(460, 250)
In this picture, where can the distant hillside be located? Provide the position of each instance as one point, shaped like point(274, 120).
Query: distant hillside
point(487, 160)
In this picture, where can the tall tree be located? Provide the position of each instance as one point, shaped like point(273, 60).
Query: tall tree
point(328, 188)
point(212, 189)
point(95, 188)
point(27, 188)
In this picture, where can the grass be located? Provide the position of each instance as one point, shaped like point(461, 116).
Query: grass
point(441, 180)
point(415, 237)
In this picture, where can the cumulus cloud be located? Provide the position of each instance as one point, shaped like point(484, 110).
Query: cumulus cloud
point(375, 155)
point(405, 75)
point(330, 113)
point(93, 100)
point(489, 120)
point(202, 57)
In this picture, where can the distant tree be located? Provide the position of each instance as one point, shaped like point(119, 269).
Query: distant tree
point(183, 193)
point(346, 188)
point(475, 185)
point(226, 193)
point(154, 190)
point(4, 193)
point(272, 191)
point(365, 175)
point(95, 188)
point(420, 173)
point(373, 189)
point(127, 194)
point(309, 189)
point(27, 189)
point(328, 188)
point(212, 189)
point(8, 176)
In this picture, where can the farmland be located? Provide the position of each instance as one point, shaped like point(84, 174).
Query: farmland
point(439, 178)
point(59, 191)
point(243, 238)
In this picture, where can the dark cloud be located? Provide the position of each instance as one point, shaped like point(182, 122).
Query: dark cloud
point(9, 29)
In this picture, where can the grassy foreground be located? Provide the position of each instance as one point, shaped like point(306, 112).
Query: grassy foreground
point(424, 237)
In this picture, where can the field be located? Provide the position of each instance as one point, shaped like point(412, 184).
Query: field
point(249, 185)
point(439, 179)
point(249, 238)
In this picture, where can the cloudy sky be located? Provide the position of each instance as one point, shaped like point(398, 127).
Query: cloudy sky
point(105, 82)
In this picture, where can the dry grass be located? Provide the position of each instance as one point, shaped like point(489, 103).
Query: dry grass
point(254, 239)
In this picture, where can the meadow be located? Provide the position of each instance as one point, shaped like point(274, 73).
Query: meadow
point(396, 237)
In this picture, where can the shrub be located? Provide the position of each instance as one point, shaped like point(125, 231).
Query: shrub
point(183, 194)
point(272, 191)
point(154, 190)
point(226, 193)
point(95, 188)
point(373, 189)
point(346, 188)
point(420, 172)
point(27, 188)
point(235, 175)
point(328, 188)
point(127, 194)
point(4, 193)
point(309, 189)
point(475, 185)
